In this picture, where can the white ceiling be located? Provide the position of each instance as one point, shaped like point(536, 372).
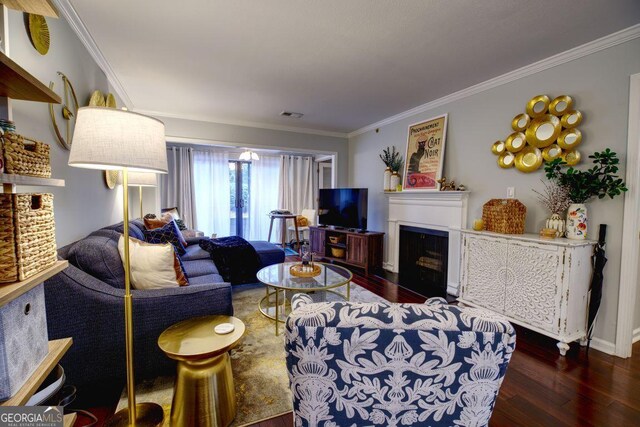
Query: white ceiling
point(343, 63)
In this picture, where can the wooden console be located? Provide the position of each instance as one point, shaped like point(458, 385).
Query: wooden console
point(362, 250)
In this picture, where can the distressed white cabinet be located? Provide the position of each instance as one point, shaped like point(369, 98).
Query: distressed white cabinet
point(537, 283)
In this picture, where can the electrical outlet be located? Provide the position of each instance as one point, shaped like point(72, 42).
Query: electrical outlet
point(511, 192)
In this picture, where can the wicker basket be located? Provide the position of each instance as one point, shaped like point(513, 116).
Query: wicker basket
point(28, 243)
point(24, 156)
point(505, 216)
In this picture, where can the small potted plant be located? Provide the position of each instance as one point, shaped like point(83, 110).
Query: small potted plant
point(583, 185)
point(390, 157)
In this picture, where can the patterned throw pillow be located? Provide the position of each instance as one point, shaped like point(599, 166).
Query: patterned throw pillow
point(180, 223)
point(153, 223)
point(168, 233)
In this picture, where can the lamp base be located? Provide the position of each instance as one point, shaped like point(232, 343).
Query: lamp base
point(147, 415)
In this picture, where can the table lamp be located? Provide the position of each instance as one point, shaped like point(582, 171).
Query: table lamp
point(140, 179)
point(106, 138)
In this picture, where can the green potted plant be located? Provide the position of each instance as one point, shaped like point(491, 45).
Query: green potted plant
point(390, 157)
point(583, 185)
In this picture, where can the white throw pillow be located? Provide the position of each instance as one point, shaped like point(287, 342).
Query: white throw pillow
point(153, 266)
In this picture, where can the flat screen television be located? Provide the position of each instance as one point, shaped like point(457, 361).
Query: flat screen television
point(343, 207)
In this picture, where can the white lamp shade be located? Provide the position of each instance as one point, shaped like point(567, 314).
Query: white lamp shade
point(106, 138)
point(139, 179)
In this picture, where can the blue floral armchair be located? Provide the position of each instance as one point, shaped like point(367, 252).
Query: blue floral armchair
point(376, 364)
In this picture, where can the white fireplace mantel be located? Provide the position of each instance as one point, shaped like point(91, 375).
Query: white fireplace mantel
point(437, 210)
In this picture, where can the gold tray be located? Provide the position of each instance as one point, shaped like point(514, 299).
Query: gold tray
point(515, 142)
point(569, 139)
point(520, 122)
point(497, 147)
point(551, 152)
point(506, 160)
point(296, 270)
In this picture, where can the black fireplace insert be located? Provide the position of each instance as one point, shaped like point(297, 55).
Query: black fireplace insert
point(424, 260)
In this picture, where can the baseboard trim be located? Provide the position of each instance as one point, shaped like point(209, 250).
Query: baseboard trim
point(636, 335)
point(603, 346)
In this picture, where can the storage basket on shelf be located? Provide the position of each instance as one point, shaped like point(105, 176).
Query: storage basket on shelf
point(504, 216)
point(27, 235)
point(24, 156)
point(23, 340)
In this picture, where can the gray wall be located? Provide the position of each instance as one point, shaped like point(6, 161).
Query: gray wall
point(85, 204)
point(599, 84)
point(256, 137)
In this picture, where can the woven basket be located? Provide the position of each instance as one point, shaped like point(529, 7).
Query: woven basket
point(28, 243)
point(24, 156)
point(504, 216)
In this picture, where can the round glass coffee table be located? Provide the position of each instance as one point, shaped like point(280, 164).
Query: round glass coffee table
point(281, 285)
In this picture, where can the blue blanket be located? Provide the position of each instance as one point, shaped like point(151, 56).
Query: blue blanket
point(235, 258)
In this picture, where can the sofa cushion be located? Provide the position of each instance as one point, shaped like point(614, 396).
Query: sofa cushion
point(168, 233)
point(268, 252)
point(194, 252)
point(199, 267)
point(97, 255)
point(207, 279)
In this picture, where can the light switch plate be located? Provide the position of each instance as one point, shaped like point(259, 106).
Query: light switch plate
point(511, 192)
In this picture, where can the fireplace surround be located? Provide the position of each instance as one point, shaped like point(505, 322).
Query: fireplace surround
point(444, 211)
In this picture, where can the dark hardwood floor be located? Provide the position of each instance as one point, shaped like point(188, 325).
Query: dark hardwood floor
point(542, 388)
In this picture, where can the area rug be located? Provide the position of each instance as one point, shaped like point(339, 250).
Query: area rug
point(259, 369)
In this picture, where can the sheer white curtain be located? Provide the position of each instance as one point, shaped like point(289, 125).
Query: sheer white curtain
point(295, 183)
point(177, 187)
point(212, 196)
point(263, 196)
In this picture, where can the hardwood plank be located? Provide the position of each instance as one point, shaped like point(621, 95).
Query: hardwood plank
point(38, 7)
point(11, 291)
point(18, 83)
point(57, 349)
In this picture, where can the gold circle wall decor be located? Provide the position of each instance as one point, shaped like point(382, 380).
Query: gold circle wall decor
point(515, 142)
point(520, 122)
point(570, 139)
point(69, 110)
point(561, 105)
point(529, 159)
point(538, 106)
point(498, 147)
point(572, 157)
point(506, 160)
point(551, 152)
point(543, 131)
point(571, 119)
point(550, 132)
point(38, 32)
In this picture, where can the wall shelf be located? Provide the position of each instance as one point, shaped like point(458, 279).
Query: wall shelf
point(57, 349)
point(11, 291)
point(7, 178)
point(18, 83)
point(38, 7)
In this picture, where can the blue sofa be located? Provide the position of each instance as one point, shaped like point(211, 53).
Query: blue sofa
point(86, 302)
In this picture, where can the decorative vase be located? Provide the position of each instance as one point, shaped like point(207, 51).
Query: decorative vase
point(556, 223)
point(387, 179)
point(395, 181)
point(577, 221)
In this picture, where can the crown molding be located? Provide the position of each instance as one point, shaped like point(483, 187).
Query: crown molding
point(258, 125)
point(69, 13)
point(589, 48)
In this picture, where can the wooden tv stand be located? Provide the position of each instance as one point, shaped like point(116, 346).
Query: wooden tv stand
point(362, 250)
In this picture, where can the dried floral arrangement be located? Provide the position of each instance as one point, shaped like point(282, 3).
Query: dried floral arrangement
point(554, 197)
point(392, 159)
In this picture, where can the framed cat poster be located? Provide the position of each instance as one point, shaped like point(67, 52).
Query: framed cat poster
point(425, 154)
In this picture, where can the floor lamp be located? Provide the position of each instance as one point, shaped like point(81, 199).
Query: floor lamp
point(140, 179)
point(106, 138)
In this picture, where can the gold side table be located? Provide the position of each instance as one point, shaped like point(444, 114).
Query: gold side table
point(204, 394)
